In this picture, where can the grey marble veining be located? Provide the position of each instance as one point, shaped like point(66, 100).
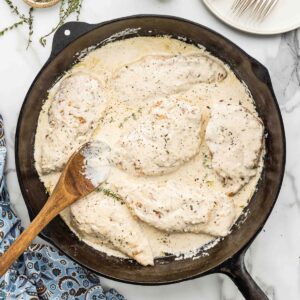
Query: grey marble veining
point(285, 69)
point(274, 257)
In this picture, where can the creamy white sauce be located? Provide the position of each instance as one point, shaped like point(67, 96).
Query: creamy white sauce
point(130, 91)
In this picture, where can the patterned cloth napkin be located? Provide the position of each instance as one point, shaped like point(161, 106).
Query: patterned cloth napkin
point(42, 272)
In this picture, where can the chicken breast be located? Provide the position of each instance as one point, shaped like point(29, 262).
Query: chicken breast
point(235, 139)
point(75, 109)
point(110, 221)
point(162, 141)
point(155, 75)
point(175, 207)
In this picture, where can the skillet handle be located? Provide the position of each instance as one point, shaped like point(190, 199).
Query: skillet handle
point(67, 33)
point(235, 268)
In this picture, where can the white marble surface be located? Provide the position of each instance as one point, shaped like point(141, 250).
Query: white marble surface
point(274, 258)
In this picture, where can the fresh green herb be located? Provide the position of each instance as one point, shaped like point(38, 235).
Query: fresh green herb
point(15, 25)
point(66, 9)
point(133, 116)
point(30, 26)
point(61, 9)
point(110, 193)
point(22, 20)
point(15, 10)
point(78, 10)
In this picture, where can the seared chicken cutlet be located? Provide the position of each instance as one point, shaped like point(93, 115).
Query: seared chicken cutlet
point(72, 117)
point(175, 207)
point(234, 137)
point(108, 220)
point(162, 141)
point(155, 75)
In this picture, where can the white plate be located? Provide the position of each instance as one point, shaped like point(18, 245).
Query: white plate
point(284, 17)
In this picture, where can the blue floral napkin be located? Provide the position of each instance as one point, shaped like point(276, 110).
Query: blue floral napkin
point(42, 272)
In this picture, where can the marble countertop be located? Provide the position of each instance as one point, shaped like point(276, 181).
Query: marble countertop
point(274, 257)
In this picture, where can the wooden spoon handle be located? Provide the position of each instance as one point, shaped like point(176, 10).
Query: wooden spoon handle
point(71, 186)
point(47, 213)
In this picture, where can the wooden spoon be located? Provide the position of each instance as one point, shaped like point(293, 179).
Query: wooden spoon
point(77, 180)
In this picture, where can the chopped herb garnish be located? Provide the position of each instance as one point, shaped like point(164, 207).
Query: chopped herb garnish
point(110, 193)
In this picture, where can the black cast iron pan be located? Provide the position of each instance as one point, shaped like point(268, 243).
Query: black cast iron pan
point(228, 255)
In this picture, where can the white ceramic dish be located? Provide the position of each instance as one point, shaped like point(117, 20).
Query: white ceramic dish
point(284, 17)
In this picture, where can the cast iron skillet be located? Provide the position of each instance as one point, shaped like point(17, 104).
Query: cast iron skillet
point(228, 255)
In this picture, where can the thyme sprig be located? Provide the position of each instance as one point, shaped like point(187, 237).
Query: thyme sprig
point(22, 20)
point(30, 27)
point(15, 10)
point(13, 26)
point(67, 8)
point(78, 10)
point(110, 193)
